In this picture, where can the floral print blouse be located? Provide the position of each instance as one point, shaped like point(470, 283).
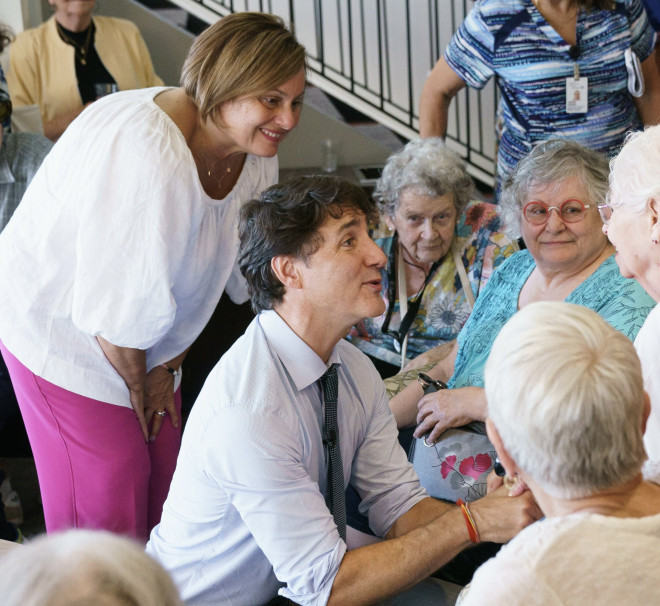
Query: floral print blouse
point(444, 308)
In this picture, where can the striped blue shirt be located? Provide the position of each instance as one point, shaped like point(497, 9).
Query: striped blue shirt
point(511, 40)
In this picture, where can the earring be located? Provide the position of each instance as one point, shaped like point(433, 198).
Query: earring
point(510, 483)
point(654, 240)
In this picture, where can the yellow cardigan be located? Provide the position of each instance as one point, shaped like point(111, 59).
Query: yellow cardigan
point(42, 69)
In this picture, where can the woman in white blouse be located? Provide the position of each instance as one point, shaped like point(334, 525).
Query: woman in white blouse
point(117, 257)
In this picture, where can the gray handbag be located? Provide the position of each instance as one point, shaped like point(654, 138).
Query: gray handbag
point(457, 465)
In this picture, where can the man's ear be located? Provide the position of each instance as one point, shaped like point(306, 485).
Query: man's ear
point(285, 269)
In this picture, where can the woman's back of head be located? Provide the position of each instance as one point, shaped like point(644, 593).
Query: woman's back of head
point(565, 392)
point(84, 567)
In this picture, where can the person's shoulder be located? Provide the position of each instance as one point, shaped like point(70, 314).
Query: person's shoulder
point(28, 38)
point(479, 216)
point(359, 370)
point(117, 24)
point(519, 261)
point(497, 8)
point(30, 144)
point(512, 575)
point(246, 375)
point(261, 172)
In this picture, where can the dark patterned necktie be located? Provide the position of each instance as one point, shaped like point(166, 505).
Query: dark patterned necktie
point(336, 498)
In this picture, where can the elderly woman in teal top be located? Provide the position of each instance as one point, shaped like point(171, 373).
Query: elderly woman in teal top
point(551, 198)
point(442, 248)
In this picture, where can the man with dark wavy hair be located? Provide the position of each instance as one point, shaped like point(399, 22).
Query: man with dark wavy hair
point(255, 508)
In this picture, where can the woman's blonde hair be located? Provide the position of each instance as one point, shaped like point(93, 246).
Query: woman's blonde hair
point(79, 567)
point(241, 54)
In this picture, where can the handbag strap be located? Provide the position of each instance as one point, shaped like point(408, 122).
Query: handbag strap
point(460, 268)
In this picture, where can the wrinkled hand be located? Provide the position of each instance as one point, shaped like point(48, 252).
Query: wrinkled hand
point(447, 408)
point(159, 396)
point(499, 517)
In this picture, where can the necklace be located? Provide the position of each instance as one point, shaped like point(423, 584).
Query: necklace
point(80, 50)
point(211, 171)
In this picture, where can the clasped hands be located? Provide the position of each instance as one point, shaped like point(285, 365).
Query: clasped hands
point(154, 396)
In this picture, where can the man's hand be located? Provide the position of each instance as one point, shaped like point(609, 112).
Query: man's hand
point(500, 517)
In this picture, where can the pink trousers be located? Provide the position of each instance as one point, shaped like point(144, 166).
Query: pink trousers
point(95, 469)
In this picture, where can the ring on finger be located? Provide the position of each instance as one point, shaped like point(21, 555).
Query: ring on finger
point(161, 413)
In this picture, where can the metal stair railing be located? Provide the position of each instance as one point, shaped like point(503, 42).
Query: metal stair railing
point(374, 55)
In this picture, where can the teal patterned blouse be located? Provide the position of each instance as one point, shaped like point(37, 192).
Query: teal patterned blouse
point(620, 301)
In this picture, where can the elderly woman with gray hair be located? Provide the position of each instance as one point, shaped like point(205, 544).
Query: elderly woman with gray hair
point(442, 248)
point(570, 427)
point(550, 199)
point(631, 220)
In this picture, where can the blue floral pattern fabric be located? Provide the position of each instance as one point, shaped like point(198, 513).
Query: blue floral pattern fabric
point(512, 41)
point(620, 301)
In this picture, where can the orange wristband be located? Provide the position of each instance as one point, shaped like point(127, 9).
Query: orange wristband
point(469, 521)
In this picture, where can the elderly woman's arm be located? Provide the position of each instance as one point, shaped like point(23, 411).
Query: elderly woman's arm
point(648, 105)
point(404, 404)
point(440, 88)
point(431, 356)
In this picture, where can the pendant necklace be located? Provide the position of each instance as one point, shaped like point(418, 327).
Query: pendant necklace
point(211, 173)
point(80, 50)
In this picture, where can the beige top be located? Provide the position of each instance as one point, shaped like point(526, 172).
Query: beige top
point(42, 66)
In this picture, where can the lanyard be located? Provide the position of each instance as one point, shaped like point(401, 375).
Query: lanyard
point(413, 305)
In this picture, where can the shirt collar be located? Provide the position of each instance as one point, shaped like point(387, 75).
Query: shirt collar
point(300, 360)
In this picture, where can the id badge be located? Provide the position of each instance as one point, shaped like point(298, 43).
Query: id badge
point(577, 96)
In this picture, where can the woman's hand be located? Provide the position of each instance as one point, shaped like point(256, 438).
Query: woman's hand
point(159, 397)
point(130, 364)
point(449, 408)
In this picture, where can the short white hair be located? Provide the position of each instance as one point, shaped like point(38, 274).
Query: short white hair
point(566, 394)
point(634, 172)
point(79, 567)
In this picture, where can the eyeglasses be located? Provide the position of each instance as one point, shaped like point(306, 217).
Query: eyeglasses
point(569, 211)
point(5, 109)
point(605, 211)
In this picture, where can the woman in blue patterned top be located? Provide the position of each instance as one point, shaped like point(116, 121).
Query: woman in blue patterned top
point(551, 198)
point(560, 68)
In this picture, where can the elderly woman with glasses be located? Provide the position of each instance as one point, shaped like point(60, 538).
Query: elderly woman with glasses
point(442, 248)
point(570, 427)
point(551, 200)
point(632, 223)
